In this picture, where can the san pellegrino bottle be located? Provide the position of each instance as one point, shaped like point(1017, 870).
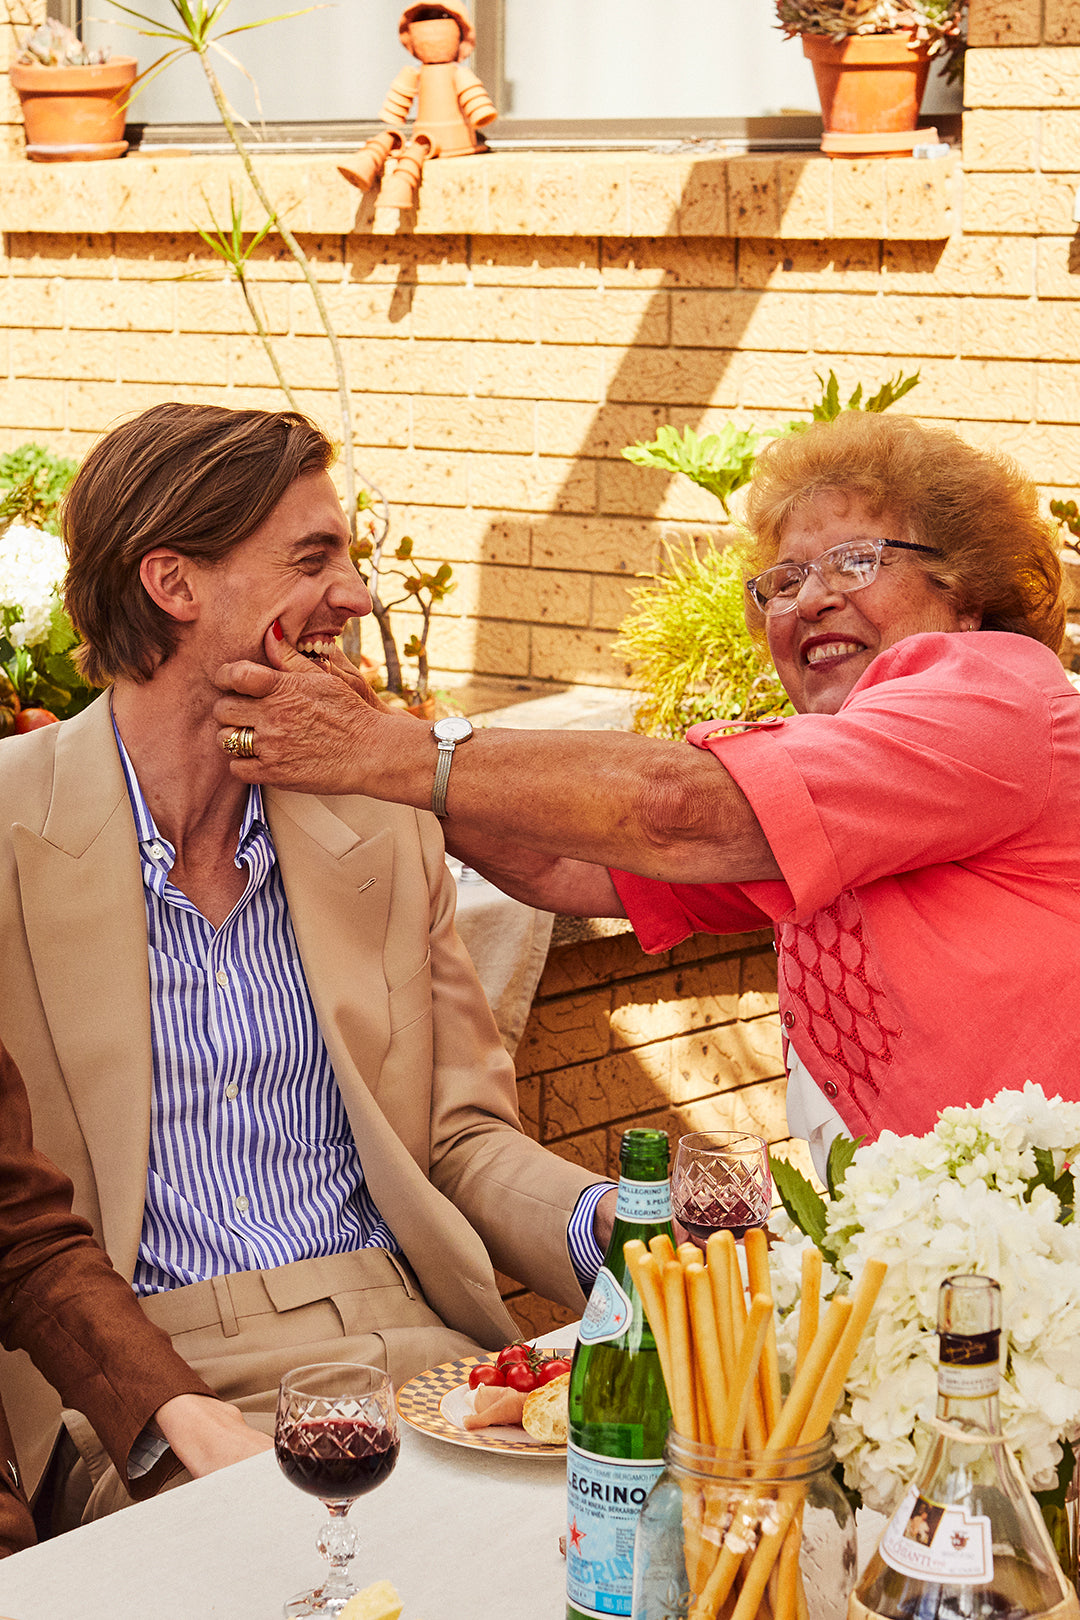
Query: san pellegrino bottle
point(968, 1541)
point(619, 1411)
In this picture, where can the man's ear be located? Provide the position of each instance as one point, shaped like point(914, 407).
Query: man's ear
point(168, 579)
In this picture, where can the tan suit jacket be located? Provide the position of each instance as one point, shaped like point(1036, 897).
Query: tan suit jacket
point(63, 1304)
point(429, 1090)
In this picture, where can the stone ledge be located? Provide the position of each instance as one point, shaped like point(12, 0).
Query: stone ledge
point(638, 194)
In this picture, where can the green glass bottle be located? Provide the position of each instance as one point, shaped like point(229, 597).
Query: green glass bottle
point(619, 1412)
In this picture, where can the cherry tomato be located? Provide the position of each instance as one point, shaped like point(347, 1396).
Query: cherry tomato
point(552, 1369)
point(33, 719)
point(485, 1373)
point(520, 1376)
point(513, 1352)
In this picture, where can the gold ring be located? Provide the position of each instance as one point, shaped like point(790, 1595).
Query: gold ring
point(240, 742)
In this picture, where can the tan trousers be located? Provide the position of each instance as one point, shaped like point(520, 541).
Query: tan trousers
point(244, 1331)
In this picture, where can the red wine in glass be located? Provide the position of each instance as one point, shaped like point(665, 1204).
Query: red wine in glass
point(720, 1181)
point(336, 1438)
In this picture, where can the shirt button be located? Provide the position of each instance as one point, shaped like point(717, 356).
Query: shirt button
point(222, 977)
point(789, 1020)
point(156, 851)
point(830, 1088)
point(243, 1205)
point(232, 1090)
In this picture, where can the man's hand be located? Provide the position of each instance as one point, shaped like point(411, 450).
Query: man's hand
point(206, 1434)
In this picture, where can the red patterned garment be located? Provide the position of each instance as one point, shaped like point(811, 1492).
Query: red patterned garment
point(928, 924)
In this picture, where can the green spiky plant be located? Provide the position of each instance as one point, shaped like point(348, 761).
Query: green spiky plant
point(686, 634)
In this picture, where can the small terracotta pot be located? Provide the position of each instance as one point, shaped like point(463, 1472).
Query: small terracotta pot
point(74, 114)
point(424, 710)
point(868, 84)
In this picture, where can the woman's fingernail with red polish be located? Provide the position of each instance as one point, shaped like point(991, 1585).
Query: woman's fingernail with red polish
point(279, 634)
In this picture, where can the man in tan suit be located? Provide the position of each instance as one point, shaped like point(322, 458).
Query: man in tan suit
point(249, 1033)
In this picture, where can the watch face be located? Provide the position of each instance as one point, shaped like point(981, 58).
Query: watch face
point(454, 729)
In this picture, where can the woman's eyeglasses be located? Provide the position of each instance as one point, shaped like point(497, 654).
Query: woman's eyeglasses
point(844, 568)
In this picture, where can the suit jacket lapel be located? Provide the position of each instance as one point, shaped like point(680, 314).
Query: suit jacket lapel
point(85, 920)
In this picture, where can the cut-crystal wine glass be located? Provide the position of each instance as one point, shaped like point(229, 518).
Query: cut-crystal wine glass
point(721, 1180)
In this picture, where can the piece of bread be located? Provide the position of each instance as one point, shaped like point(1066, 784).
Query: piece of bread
point(378, 1602)
point(545, 1413)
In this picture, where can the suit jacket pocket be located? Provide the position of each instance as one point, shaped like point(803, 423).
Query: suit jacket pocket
point(411, 1000)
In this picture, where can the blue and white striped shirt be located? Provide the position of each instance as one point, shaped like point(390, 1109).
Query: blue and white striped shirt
point(252, 1160)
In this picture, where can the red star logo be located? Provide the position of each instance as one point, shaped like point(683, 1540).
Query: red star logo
point(576, 1536)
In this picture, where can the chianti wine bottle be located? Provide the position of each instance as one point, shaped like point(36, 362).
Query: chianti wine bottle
point(619, 1411)
point(968, 1541)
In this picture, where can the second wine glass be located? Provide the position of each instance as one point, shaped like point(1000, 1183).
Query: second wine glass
point(336, 1438)
point(721, 1181)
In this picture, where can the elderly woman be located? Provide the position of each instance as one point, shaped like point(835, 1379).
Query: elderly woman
point(912, 833)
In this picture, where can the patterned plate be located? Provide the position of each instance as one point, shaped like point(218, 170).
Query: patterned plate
point(435, 1401)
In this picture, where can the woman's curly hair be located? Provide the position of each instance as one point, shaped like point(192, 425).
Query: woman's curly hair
point(999, 553)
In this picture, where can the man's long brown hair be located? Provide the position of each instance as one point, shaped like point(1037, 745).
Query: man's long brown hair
point(195, 478)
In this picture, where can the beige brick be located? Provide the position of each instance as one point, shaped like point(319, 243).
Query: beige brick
point(464, 536)
point(574, 967)
point(858, 197)
point(918, 197)
point(731, 320)
point(1060, 145)
point(632, 491)
point(1001, 139)
point(303, 360)
point(31, 405)
point(985, 266)
point(893, 325)
point(804, 196)
point(753, 197)
point(644, 262)
point(574, 1029)
point(793, 266)
point(757, 982)
point(1004, 22)
point(535, 1316)
point(378, 365)
point(989, 389)
point(607, 545)
point(605, 197)
point(706, 376)
point(1058, 392)
point(479, 646)
point(95, 406)
point(1061, 22)
point(1001, 204)
point(531, 595)
point(611, 601)
point(162, 256)
point(999, 327)
point(458, 424)
point(1058, 267)
point(1057, 197)
point(577, 656)
point(556, 196)
point(655, 191)
point(375, 310)
point(509, 196)
point(45, 354)
point(536, 371)
point(589, 430)
point(509, 261)
point(440, 259)
point(505, 314)
point(130, 308)
point(786, 382)
point(418, 477)
point(218, 306)
point(672, 1004)
point(610, 316)
point(33, 303)
point(48, 254)
point(532, 484)
point(1041, 76)
point(703, 204)
point(1048, 453)
point(453, 197)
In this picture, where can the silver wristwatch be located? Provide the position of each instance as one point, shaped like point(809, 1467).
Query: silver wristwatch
point(447, 733)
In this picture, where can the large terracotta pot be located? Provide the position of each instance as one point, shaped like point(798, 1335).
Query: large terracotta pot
point(74, 114)
point(871, 88)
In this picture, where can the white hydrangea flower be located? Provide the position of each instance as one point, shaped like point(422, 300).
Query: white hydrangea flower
point(955, 1200)
point(32, 566)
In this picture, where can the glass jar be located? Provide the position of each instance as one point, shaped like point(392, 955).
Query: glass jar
point(710, 1509)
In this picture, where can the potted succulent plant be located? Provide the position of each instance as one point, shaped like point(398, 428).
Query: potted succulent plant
point(74, 101)
point(871, 59)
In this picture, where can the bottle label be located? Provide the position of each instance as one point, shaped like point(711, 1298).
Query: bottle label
point(646, 1203)
point(968, 1383)
point(934, 1543)
point(608, 1312)
point(604, 1496)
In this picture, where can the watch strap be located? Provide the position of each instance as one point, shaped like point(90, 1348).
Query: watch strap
point(443, 763)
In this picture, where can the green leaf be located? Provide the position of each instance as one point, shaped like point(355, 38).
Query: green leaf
point(1063, 1186)
point(804, 1206)
point(841, 1155)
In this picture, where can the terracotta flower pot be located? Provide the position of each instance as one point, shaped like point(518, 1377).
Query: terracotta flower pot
point(871, 88)
point(74, 114)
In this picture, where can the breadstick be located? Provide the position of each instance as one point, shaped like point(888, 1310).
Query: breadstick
point(742, 1385)
point(862, 1303)
point(795, 1409)
point(755, 1416)
point(681, 1388)
point(661, 1248)
point(720, 1251)
point(706, 1350)
point(756, 1245)
point(646, 1275)
point(809, 1302)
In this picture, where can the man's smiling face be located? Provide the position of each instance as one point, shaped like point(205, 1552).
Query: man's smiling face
point(828, 641)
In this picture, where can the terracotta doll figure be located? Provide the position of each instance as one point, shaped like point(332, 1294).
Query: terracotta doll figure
point(451, 104)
